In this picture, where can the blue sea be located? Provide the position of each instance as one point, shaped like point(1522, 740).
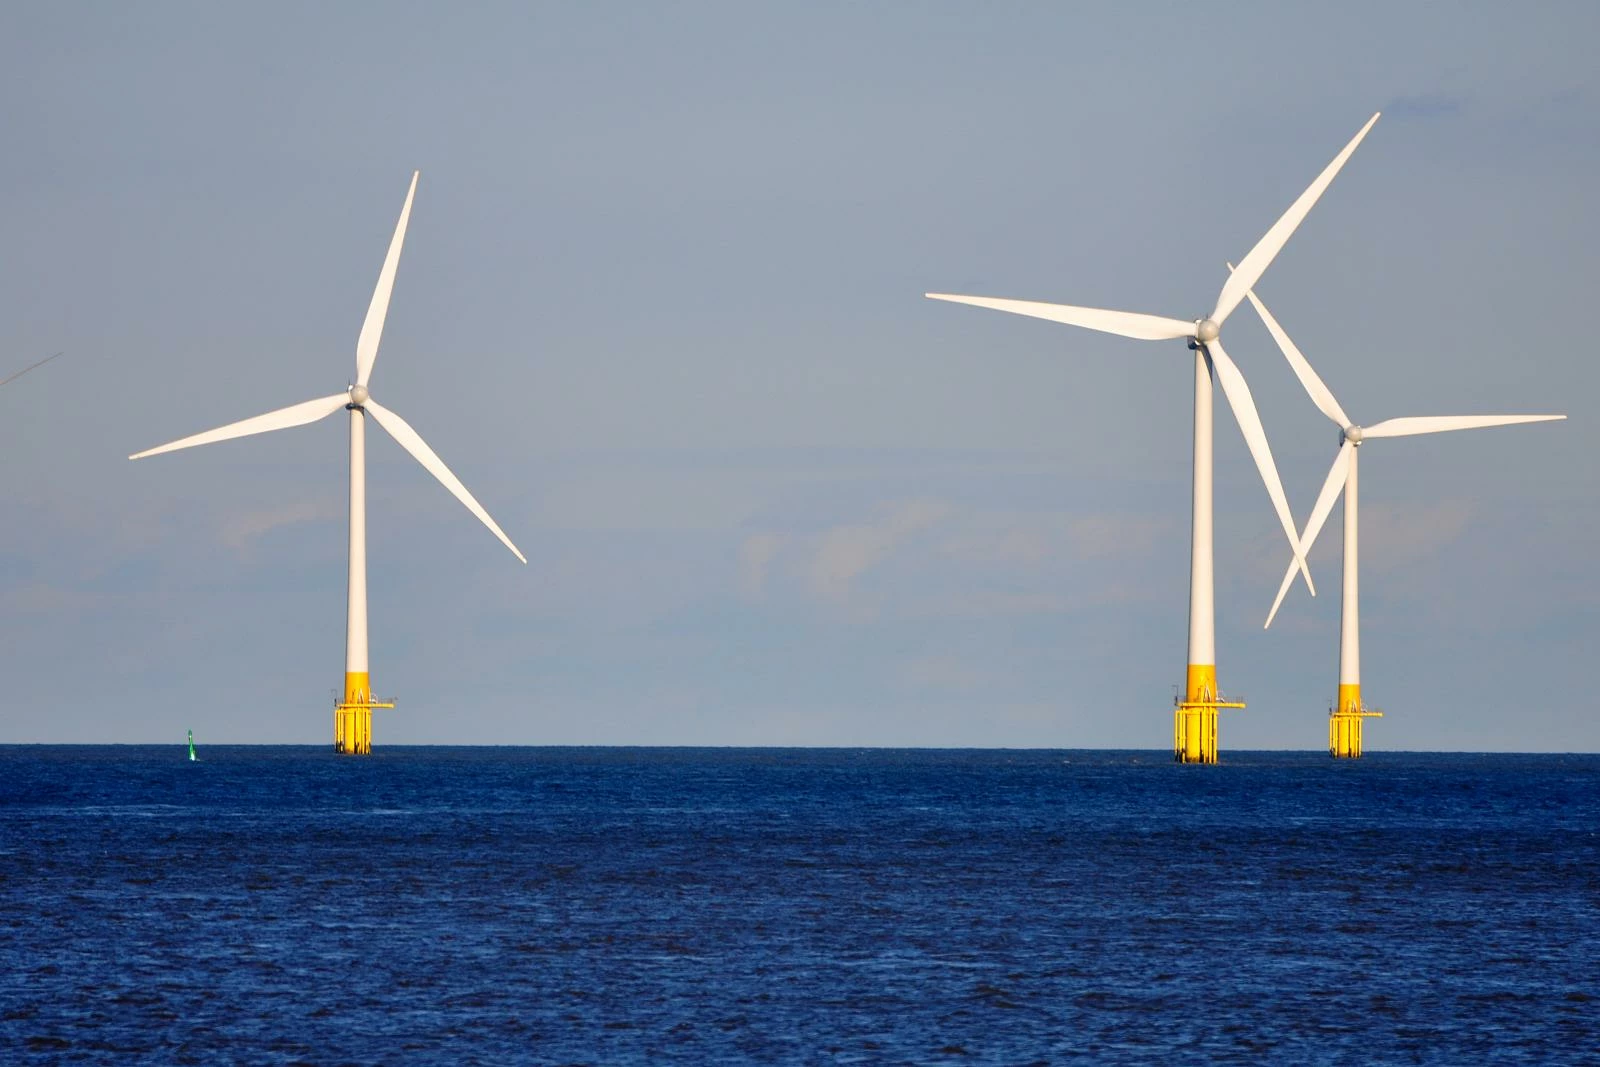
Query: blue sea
point(612, 906)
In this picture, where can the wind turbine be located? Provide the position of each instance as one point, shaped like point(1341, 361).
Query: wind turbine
point(1344, 719)
point(352, 730)
point(1195, 718)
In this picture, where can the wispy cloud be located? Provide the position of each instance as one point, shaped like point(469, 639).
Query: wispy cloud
point(240, 532)
point(969, 603)
point(844, 553)
point(1397, 536)
point(1110, 535)
point(1026, 540)
point(957, 562)
point(755, 561)
point(940, 672)
point(1426, 107)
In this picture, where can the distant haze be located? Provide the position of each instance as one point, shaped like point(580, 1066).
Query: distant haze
point(661, 309)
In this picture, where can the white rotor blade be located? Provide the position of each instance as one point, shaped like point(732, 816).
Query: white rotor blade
point(1122, 323)
point(1283, 590)
point(1440, 423)
point(1319, 392)
point(1319, 515)
point(378, 310)
point(282, 419)
point(409, 440)
point(1244, 411)
point(1260, 257)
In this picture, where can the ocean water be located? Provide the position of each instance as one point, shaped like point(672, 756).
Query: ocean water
point(606, 906)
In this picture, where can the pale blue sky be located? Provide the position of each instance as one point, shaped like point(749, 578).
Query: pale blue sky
point(660, 308)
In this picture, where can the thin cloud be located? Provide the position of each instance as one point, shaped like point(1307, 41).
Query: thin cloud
point(1010, 539)
point(939, 672)
point(241, 532)
point(844, 553)
point(1426, 107)
point(755, 561)
point(1394, 537)
point(1108, 535)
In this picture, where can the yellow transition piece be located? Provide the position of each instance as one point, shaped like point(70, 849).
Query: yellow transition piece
point(1194, 720)
point(352, 716)
point(1344, 723)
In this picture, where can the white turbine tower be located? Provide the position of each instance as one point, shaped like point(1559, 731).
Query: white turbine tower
point(1344, 721)
point(353, 714)
point(1195, 719)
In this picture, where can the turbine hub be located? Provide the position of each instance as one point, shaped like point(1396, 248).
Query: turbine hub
point(1206, 331)
point(358, 395)
point(1352, 434)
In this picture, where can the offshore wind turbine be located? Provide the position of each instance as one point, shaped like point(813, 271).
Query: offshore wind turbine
point(1345, 717)
point(1195, 715)
point(352, 719)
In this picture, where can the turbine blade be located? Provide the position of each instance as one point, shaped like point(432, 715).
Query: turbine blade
point(25, 370)
point(1283, 590)
point(413, 443)
point(1319, 392)
point(378, 310)
point(1255, 438)
point(1319, 516)
point(282, 419)
point(1122, 323)
point(1440, 423)
point(1260, 257)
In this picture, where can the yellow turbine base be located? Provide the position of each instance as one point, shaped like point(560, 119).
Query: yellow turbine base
point(352, 716)
point(1344, 723)
point(1194, 719)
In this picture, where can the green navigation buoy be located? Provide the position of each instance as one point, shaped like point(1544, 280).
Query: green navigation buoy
point(191, 747)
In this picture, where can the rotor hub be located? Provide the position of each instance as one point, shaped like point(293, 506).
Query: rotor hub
point(1352, 434)
point(1207, 330)
point(358, 395)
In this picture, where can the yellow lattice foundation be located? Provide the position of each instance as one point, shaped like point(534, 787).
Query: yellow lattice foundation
point(1344, 723)
point(352, 716)
point(1194, 719)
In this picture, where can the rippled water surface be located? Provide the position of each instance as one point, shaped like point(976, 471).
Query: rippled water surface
point(438, 905)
